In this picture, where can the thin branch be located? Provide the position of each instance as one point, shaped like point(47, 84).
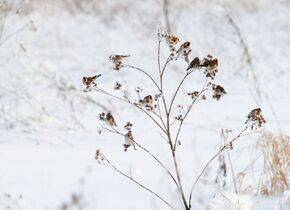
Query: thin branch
point(246, 53)
point(216, 155)
point(129, 102)
point(147, 151)
point(144, 72)
point(225, 138)
point(187, 112)
point(135, 181)
point(177, 90)
point(166, 15)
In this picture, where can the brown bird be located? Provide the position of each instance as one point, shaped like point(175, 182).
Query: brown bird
point(219, 90)
point(195, 63)
point(117, 60)
point(129, 141)
point(254, 113)
point(184, 51)
point(110, 119)
point(209, 63)
point(88, 81)
point(172, 40)
point(147, 100)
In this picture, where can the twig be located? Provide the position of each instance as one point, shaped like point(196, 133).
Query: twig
point(166, 15)
point(129, 102)
point(230, 161)
point(187, 112)
point(147, 151)
point(213, 157)
point(135, 181)
point(144, 72)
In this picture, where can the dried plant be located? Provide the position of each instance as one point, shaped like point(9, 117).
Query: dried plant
point(274, 178)
point(165, 112)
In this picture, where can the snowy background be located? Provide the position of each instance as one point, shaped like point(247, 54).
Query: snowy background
point(49, 126)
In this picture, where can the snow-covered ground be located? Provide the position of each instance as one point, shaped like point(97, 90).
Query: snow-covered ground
point(49, 126)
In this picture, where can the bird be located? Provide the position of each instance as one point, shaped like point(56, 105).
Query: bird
point(172, 40)
point(110, 120)
point(219, 90)
point(254, 113)
point(129, 141)
point(183, 48)
point(117, 60)
point(195, 63)
point(147, 101)
point(209, 63)
point(87, 81)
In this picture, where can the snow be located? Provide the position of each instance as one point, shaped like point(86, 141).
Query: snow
point(49, 126)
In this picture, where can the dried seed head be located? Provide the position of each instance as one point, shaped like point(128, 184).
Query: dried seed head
point(193, 94)
point(128, 126)
point(138, 89)
point(117, 86)
point(179, 118)
point(102, 116)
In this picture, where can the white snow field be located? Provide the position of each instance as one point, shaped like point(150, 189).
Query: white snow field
point(49, 126)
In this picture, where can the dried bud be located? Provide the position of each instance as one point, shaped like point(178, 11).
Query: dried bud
point(179, 118)
point(102, 116)
point(128, 126)
point(193, 94)
point(117, 86)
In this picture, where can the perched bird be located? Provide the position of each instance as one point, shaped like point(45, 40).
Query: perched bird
point(147, 101)
point(219, 90)
point(254, 113)
point(210, 63)
point(88, 81)
point(129, 141)
point(184, 51)
point(117, 60)
point(195, 63)
point(110, 119)
point(172, 40)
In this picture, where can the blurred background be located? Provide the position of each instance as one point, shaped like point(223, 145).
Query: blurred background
point(49, 127)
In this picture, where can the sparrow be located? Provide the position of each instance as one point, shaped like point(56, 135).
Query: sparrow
point(147, 101)
point(110, 119)
point(219, 90)
point(195, 63)
point(184, 50)
point(117, 60)
point(254, 113)
point(129, 141)
point(210, 63)
point(87, 81)
point(172, 40)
